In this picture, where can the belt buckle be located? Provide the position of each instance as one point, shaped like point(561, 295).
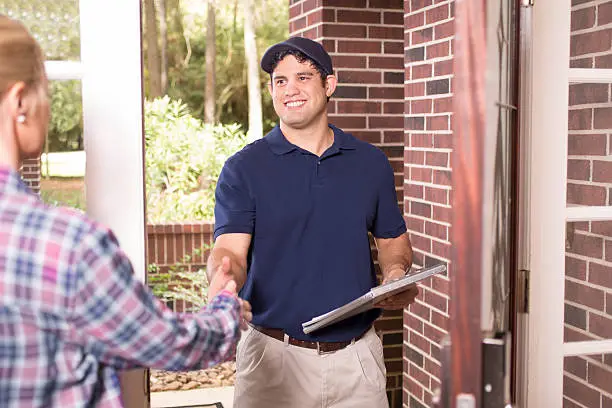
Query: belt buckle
point(320, 352)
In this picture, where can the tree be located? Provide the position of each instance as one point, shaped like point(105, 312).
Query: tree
point(163, 33)
point(211, 66)
point(253, 78)
point(153, 58)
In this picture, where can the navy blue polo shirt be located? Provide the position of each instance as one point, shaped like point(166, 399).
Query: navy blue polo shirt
point(309, 218)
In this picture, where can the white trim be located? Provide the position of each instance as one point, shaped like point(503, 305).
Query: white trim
point(590, 75)
point(580, 348)
point(63, 70)
point(114, 142)
point(598, 213)
point(547, 190)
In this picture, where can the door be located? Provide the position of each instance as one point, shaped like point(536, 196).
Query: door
point(566, 337)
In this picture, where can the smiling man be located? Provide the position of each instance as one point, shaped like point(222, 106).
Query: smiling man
point(292, 218)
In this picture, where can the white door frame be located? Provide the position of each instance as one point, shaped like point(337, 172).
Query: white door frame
point(543, 205)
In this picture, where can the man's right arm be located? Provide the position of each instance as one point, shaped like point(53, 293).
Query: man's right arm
point(227, 261)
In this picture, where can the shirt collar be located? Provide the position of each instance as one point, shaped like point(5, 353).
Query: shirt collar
point(280, 145)
point(11, 182)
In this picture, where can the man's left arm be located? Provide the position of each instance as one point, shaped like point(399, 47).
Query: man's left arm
point(395, 259)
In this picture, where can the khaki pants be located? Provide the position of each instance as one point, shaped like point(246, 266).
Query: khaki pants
point(272, 373)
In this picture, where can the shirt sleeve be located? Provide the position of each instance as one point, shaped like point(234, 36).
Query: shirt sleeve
point(388, 222)
point(124, 325)
point(234, 205)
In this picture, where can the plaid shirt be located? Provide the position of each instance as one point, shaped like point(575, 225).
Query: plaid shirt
point(72, 314)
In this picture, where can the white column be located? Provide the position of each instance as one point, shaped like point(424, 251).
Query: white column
point(113, 132)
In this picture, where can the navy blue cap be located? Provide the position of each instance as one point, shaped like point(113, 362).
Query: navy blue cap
point(306, 46)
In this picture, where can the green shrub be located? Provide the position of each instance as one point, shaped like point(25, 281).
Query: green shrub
point(183, 161)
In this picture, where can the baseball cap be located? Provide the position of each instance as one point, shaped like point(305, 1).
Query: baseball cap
point(306, 46)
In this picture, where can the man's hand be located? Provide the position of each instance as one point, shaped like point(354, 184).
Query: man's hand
point(220, 278)
point(400, 300)
point(246, 314)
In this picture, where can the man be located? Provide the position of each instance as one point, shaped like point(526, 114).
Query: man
point(71, 313)
point(292, 217)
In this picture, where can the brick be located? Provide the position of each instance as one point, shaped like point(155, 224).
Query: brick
point(385, 62)
point(421, 106)
point(314, 18)
point(419, 4)
point(414, 157)
point(414, 123)
point(603, 61)
point(576, 317)
point(442, 105)
point(414, 403)
point(578, 170)
point(348, 122)
point(415, 356)
point(359, 47)
point(586, 194)
point(437, 123)
point(579, 119)
point(602, 118)
point(386, 93)
point(412, 223)
point(576, 366)
point(343, 3)
point(414, 20)
point(602, 171)
point(600, 275)
point(438, 86)
point(584, 295)
point(602, 228)
point(421, 71)
point(436, 14)
point(581, 62)
point(442, 177)
point(592, 42)
point(384, 122)
point(433, 333)
point(586, 245)
point(385, 32)
point(349, 61)
point(581, 94)
point(393, 18)
point(359, 107)
point(329, 15)
point(444, 67)
point(298, 24)
point(417, 208)
point(570, 334)
point(600, 325)
point(606, 402)
point(583, 18)
point(421, 140)
point(438, 50)
point(440, 249)
point(419, 375)
point(600, 377)
point(393, 47)
point(358, 16)
point(415, 54)
point(575, 268)
point(604, 13)
point(444, 30)
point(294, 11)
point(359, 77)
point(394, 108)
point(436, 230)
point(436, 195)
point(439, 159)
point(352, 92)
point(587, 145)
point(580, 392)
point(608, 250)
point(422, 174)
point(421, 36)
point(413, 322)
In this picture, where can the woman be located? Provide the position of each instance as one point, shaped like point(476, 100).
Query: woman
point(71, 314)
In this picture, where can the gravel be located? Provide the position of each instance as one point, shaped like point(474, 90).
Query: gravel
point(222, 375)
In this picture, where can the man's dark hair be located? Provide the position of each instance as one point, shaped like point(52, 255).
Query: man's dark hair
point(301, 57)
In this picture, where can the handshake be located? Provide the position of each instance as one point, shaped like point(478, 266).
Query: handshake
point(223, 280)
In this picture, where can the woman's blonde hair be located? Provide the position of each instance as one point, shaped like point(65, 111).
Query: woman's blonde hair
point(21, 59)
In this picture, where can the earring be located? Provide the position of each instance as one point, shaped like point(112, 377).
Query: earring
point(21, 119)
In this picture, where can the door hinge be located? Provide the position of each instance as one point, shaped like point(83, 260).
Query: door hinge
point(522, 291)
point(527, 3)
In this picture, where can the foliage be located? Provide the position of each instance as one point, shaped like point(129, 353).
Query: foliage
point(179, 283)
point(66, 126)
point(184, 159)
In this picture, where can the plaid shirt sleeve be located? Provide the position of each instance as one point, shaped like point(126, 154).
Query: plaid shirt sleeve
point(120, 321)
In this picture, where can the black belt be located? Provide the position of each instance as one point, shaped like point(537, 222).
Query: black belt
point(321, 346)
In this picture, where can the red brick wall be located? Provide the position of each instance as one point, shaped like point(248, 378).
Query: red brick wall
point(169, 245)
point(365, 40)
point(429, 32)
point(588, 284)
point(30, 172)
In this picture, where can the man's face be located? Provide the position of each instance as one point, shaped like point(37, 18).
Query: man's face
point(298, 93)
